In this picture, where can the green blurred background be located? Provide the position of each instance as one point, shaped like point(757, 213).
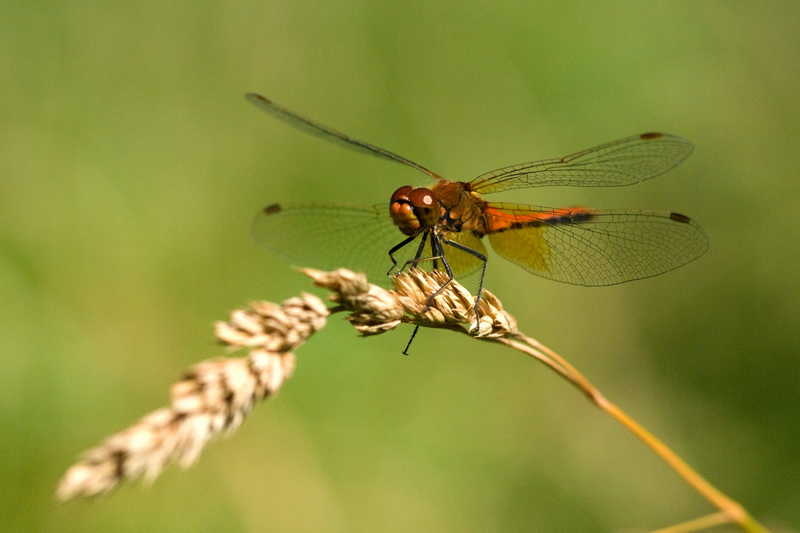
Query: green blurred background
point(131, 168)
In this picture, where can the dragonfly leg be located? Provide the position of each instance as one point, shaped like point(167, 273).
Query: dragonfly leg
point(438, 255)
point(397, 247)
point(417, 255)
point(418, 258)
point(484, 262)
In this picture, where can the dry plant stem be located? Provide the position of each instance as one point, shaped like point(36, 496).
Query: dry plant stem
point(704, 522)
point(451, 308)
point(215, 396)
point(731, 511)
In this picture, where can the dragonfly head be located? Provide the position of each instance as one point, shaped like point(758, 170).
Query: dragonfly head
point(414, 210)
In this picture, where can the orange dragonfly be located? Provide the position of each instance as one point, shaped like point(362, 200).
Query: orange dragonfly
point(574, 245)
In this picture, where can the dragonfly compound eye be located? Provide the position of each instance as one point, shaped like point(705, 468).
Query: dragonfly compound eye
point(426, 208)
point(414, 210)
point(402, 212)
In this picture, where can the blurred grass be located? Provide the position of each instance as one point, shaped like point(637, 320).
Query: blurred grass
point(132, 167)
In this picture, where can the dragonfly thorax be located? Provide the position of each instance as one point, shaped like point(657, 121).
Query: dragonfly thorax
point(414, 210)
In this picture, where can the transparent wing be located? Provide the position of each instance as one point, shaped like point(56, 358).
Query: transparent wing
point(621, 162)
point(329, 134)
point(331, 236)
point(595, 248)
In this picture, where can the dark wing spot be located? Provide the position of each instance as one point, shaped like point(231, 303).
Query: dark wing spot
point(677, 217)
point(648, 136)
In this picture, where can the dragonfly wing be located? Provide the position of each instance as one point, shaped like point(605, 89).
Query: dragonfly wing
point(594, 248)
point(329, 134)
point(617, 163)
point(331, 236)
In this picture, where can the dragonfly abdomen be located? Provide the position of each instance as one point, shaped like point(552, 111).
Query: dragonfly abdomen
point(498, 221)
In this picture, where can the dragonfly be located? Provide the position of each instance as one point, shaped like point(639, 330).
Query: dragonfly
point(450, 219)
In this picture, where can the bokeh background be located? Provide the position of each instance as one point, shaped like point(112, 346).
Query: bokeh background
point(131, 168)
